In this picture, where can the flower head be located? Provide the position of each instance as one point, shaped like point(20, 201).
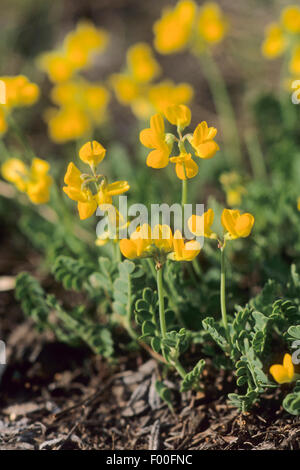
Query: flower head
point(235, 224)
point(295, 61)
point(33, 180)
point(142, 64)
point(185, 167)
point(154, 138)
point(184, 251)
point(179, 115)
point(284, 373)
point(290, 18)
point(212, 25)
point(173, 30)
point(166, 93)
point(203, 141)
point(76, 191)
point(274, 43)
point(92, 153)
point(200, 225)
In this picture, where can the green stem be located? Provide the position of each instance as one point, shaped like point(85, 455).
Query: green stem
point(180, 369)
point(223, 106)
point(162, 318)
point(196, 267)
point(223, 296)
point(255, 154)
point(184, 193)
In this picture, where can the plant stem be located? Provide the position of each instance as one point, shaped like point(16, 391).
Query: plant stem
point(224, 107)
point(255, 154)
point(184, 193)
point(223, 296)
point(179, 368)
point(162, 318)
point(196, 267)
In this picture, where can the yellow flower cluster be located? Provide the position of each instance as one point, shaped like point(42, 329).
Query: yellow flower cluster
point(34, 180)
point(285, 36)
point(235, 225)
point(75, 54)
point(135, 88)
point(159, 244)
point(161, 144)
point(80, 186)
point(81, 105)
point(233, 187)
point(186, 25)
point(18, 91)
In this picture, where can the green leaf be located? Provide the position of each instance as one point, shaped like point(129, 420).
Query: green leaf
point(191, 379)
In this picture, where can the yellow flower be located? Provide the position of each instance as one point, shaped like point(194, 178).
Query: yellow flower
point(92, 153)
point(173, 30)
point(106, 191)
point(200, 225)
point(142, 65)
point(298, 203)
point(139, 243)
point(166, 93)
point(235, 224)
point(162, 238)
point(58, 67)
point(274, 43)
point(212, 25)
point(290, 18)
point(184, 251)
point(202, 141)
point(35, 180)
point(68, 123)
point(87, 203)
point(125, 88)
point(179, 115)
point(284, 373)
point(81, 43)
point(185, 168)
point(15, 171)
point(295, 61)
point(154, 138)
point(19, 91)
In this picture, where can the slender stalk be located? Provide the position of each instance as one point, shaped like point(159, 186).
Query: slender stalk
point(184, 193)
point(255, 154)
point(162, 318)
point(223, 296)
point(196, 267)
point(223, 106)
point(180, 369)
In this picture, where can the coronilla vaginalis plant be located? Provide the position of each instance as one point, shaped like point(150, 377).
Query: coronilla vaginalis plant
point(201, 290)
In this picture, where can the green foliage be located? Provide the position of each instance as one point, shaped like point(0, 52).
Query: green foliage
point(291, 402)
point(192, 378)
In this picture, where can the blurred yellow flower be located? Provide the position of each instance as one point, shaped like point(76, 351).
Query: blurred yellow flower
point(284, 373)
point(141, 63)
point(184, 251)
point(290, 18)
point(166, 93)
point(125, 88)
point(185, 167)
point(295, 61)
point(67, 123)
point(298, 203)
point(212, 25)
point(19, 91)
point(173, 30)
point(154, 138)
point(34, 181)
point(203, 141)
point(179, 115)
point(236, 225)
point(92, 153)
point(274, 43)
point(231, 182)
point(200, 225)
point(3, 123)
point(75, 53)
